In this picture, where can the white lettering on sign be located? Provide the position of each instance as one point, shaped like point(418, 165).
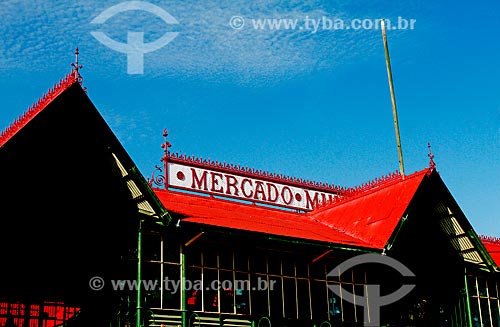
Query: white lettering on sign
point(246, 188)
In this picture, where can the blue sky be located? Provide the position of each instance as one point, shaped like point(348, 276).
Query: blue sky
point(308, 104)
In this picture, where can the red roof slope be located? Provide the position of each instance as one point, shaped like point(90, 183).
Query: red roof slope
point(372, 215)
point(366, 219)
point(223, 213)
point(492, 244)
point(36, 108)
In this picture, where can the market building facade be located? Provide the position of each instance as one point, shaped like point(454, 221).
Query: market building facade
point(216, 244)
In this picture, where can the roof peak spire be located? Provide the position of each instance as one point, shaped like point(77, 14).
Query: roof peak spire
point(76, 68)
point(432, 164)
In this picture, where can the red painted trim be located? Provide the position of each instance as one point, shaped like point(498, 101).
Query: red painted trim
point(490, 239)
point(38, 106)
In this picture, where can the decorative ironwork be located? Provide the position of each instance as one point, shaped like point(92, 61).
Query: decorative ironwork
point(165, 146)
point(76, 70)
point(162, 180)
point(342, 192)
point(365, 187)
point(37, 107)
point(256, 173)
point(490, 239)
point(432, 164)
point(375, 183)
point(158, 180)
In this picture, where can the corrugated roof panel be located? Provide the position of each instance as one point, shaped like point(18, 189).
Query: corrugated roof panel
point(223, 213)
point(373, 216)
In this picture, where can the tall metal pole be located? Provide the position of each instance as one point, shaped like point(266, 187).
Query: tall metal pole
point(139, 276)
point(393, 99)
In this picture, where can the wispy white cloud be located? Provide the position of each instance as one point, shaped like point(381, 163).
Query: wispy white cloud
point(39, 34)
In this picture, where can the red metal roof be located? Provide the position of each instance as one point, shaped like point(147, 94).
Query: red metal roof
point(492, 244)
point(38, 106)
point(366, 219)
point(372, 215)
point(229, 214)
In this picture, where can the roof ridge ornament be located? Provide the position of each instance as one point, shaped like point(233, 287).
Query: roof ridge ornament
point(43, 102)
point(254, 173)
point(76, 69)
point(490, 239)
point(162, 178)
point(432, 164)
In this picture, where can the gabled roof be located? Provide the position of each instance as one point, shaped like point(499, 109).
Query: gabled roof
point(370, 217)
point(374, 214)
point(212, 211)
point(366, 219)
point(124, 165)
point(70, 197)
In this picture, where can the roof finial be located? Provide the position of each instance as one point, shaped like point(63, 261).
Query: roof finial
point(166, 144)
point(76, 67)
point(432, 164)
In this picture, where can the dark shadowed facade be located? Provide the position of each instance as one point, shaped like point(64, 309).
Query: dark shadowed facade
point(215, 244)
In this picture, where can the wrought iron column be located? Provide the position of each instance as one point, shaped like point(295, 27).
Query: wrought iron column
point(139, 274)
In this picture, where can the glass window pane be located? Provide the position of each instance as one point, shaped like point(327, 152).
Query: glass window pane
point(242, 293)
point(210, 258)
point(359, 276)
point(471, 285)
point(360, 307)
point(226, 291)
point(192, 257)
point(483, 290)
point(317, 271)
point(194, 294)
point(334, 306)
point(226, 259)
point(495, 314)
point(151, 247)
point(274, 264)
point(346, 277)
point(276, 297)
point(290, 298)
point(301, 269)
point(319, 300)
point(288, 266)
point(171, 286)
point(492, 289)
point(331, 272)
point(210, 293)
point(258, 263)
point(241, 261)
point(151, 284)
point(347, 307)
point(171, 250)
point(303, 299)
point(474, 310)
point(259, 296)
point(485, 312)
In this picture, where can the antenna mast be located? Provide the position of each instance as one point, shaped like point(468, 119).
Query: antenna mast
point(393, 98)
